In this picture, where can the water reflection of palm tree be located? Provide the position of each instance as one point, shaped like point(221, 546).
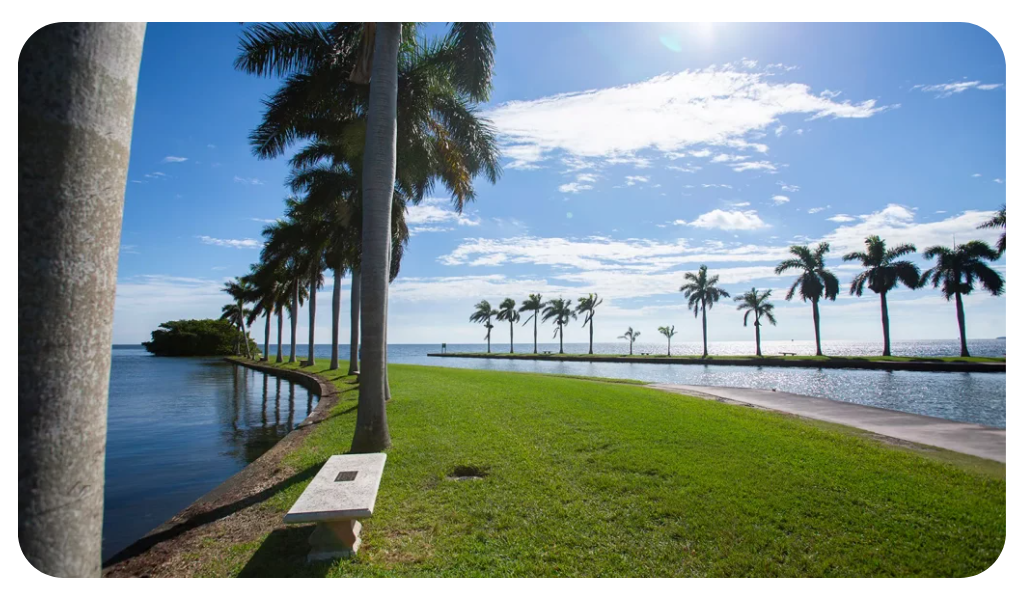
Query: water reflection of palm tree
point(263, 402)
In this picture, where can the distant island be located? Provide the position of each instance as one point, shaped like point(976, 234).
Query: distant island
point(197, 337)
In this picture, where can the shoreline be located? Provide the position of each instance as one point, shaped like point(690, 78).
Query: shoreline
point(245, 488)
point(950, 366)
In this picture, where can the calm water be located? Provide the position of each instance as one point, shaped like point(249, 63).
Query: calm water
point(969, 397)
point(178, 427)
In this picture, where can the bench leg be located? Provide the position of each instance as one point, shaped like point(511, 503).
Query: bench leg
point(334, 539)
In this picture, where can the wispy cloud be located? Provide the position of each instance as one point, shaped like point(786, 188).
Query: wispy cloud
point(259, 220)
point(433, 215)
point(761, 165)
point(816, 209)
point(787, 187)
point(174, 159)
point(231, 243)
point(635, 179)
point(247, 180)
point(708, 107)
point(727, 220)
point(841, 218)
point(780, 199)
point(945, 90)
point(998, 180)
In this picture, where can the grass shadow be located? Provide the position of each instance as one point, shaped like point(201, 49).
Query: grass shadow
point(283, 554)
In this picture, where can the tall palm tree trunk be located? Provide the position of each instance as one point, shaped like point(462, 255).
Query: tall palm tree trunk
point(591, 334)
point(885, 326)
point(266, 338)
point(961, 320)
point(757, 336)
point(817, 327)
point(336, 316)
point(704, 326)
point(560, 351)
point(371, 434)
point(294, 319)
point(511, 337)
point(353, 340)
point(670, 347)
point(488, 338)
point(535, 313)
point(280, 330)
point(631, 346)
point(312, 321)
point(76, 100)
point(245, 334)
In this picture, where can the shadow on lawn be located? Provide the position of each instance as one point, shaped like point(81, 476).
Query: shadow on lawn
point(283, 554)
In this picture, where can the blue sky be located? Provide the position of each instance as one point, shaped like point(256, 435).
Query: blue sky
point(633, 153)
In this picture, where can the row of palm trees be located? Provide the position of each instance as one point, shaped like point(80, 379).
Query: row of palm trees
point(385, 115)
point(957, 271)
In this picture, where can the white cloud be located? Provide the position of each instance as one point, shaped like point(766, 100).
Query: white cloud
point(841, 218)
point(816, 209)
point(574, 188)
point(635, 179)
point(248, 180)
point(945, 90)
point(174, 159)
point(230, 243)
point(761, 165)
point(668, 113)
point(727, 220)
point(727, 158)
point(786, 187)
point(432, 212)
point(155, 175)
point(716, 185)
point(896, 224)
point(976, 175)
point(780, 199)
point(689, 168)
point(259, 220)
point(739, 204)
point(780, 130)
point(998, 180)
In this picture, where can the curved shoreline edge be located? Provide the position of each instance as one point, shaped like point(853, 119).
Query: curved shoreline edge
point(831, 363)
point(244, 488)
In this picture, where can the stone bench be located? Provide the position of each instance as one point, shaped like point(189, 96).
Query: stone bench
point(788, 353)
point(344, 490)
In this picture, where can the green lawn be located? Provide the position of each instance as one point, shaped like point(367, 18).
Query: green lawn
point(588, 478)
point(954, 359)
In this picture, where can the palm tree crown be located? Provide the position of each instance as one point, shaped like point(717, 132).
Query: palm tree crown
point(883, 271)
point(483, 314)
point(997, 220)
point(630, 336)
point(668, 332)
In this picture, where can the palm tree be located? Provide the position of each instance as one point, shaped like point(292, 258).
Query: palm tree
point(668, 332)
point(631, 336)
point(701, 293)
point(266, 298)
point(998, 220)
point(757, 303)
point(533, 303)
point(237, 316)
point(483, 314)
point(418, 112)
point(561, 311)
point(240, 289)
point(586, 305)
point(956, 270)
point(286, 250)
point(883, 274)
point(815, 281)
point(509, 313)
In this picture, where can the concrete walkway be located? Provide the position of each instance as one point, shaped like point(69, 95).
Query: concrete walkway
point(967, 438)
